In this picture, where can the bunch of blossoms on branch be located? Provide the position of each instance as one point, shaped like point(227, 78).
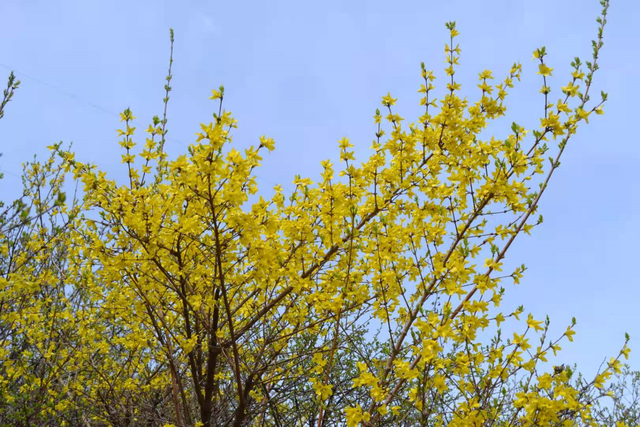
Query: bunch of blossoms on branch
point(354, 299)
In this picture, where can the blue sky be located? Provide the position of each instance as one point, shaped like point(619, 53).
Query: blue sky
point(310, 72)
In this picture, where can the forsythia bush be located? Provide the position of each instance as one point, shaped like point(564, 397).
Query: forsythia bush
point(182, 297)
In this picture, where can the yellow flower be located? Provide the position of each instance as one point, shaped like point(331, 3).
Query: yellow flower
point(544, 70)
point(388, 101)
point(355, 415)
point(535, 324)
point(268, 143)
point(571, 89)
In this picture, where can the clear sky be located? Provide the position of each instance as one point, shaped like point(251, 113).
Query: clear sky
point(310, 72)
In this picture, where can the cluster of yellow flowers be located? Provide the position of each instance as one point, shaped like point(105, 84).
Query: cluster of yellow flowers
point(191, 285)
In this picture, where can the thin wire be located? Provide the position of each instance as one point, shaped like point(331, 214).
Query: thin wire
point(10, 173)
point(96, 106)
point(73, 96)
